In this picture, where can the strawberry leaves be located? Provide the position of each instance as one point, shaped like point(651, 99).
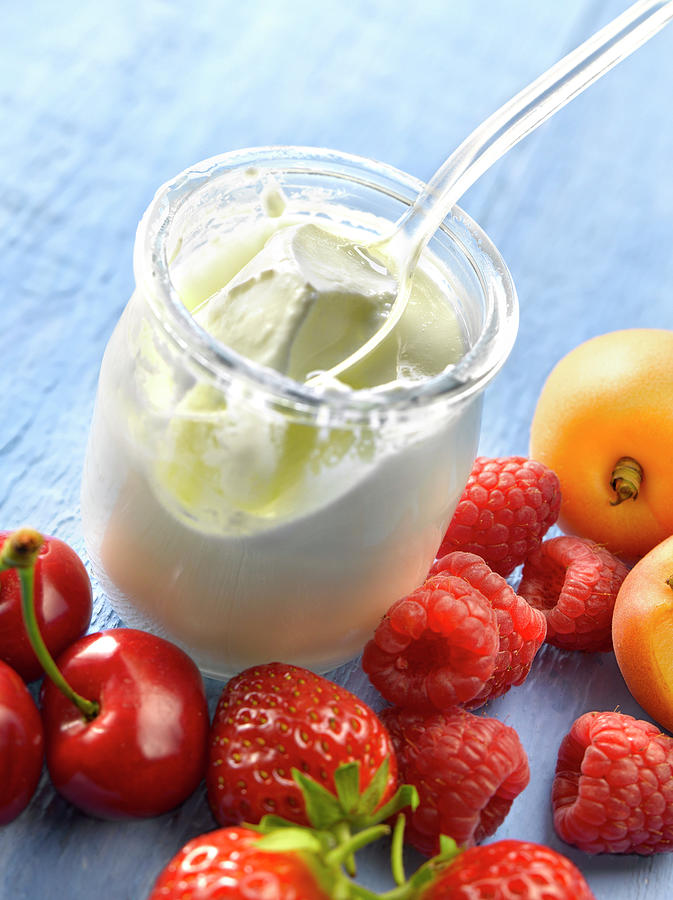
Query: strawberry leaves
point(357, 809)
point(333, 847)
point(349, 811)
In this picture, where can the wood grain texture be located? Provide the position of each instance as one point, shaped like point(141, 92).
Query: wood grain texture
point(101, 103)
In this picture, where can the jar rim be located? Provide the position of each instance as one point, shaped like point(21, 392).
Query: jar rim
point(469, 375)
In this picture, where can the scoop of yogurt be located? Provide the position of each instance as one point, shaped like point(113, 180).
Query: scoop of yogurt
point(299, 297)
point(302, 304)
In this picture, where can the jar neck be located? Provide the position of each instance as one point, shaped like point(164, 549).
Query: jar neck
point(184, 209)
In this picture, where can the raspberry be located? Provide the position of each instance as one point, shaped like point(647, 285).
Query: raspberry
point(521, 628)
point(467, 770)
point(435, 648)
point(574, 582)
point(507, 507)
point(613, 788)
point(510, 869)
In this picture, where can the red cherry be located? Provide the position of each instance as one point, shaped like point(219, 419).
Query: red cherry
point(144, 751)
point(63, 606)
point(21, 745)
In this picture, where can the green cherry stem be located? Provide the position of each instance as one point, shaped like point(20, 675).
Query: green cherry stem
point(20, 552)
point(88, 708)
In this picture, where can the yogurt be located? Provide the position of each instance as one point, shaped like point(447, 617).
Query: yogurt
point(241, 523)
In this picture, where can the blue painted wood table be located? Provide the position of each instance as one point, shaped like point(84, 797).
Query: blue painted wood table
point(101, 103)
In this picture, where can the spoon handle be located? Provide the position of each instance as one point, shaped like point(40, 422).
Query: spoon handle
point(523, 114)
point(494, 137)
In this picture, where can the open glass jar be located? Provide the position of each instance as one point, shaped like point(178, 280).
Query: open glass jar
point(242, 514)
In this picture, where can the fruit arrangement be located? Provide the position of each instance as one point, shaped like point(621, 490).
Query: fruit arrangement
point(133, 742)
point(301, 774)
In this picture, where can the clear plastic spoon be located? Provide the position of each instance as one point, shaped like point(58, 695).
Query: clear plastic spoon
point(491, 140)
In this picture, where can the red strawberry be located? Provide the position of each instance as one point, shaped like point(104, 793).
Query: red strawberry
point(505, 870)
point(507, 507)
point(613, 788)
point(521, 628)
point(467, 770)
point(274, 718)
point(435, 648)
point(574, 582)
point(235, 863)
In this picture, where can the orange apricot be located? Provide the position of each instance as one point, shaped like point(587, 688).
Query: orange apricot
point(642, 632)
point(604, 424)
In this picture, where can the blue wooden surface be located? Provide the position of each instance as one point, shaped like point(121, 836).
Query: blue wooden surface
point(101, 103)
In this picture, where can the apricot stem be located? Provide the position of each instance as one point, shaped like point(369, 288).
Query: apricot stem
point(627, 476)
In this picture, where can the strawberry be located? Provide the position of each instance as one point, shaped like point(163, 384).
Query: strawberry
point(504, 870)
point(279, 729)
point(240, 864)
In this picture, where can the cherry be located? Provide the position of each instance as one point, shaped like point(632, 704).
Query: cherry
point(21, 745)
point(63, 604)
point(133, 742)
point(142, 750)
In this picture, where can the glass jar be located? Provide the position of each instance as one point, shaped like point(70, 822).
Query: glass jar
point(191, 530)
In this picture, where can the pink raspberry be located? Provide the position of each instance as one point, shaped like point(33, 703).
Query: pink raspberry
point(574, 583)
point(435, 648)
point(467, 770)
point(613, 788)
point(521, 628)
point(507, 507)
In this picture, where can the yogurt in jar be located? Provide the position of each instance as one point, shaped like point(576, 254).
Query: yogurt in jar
point(244, 524)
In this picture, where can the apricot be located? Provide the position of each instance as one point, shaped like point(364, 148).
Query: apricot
point(642, 632)
point(604, 424)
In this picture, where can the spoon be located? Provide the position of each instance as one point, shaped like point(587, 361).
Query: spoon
point(492, 139)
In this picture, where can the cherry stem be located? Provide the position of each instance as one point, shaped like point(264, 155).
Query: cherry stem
point(20, 552)
point(627, 476)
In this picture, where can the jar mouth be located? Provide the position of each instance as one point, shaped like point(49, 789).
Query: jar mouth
point(486, 353)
